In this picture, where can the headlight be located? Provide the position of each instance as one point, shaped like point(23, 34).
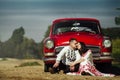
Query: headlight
point(49, 44)
point(107, 43)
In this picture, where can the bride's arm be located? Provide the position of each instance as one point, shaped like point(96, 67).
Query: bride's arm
point(87, 54)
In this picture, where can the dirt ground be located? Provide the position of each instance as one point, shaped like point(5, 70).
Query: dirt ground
point(9, 71)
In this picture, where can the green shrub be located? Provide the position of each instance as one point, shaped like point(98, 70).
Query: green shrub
point(4, 59)
point(29, 64)
point(116, 49)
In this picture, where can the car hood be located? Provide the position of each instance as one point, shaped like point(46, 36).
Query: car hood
point(87, 38)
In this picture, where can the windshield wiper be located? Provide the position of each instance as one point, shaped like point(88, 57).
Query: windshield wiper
point(88, 31)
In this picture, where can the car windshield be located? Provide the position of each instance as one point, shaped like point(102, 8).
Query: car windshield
point(76, 26)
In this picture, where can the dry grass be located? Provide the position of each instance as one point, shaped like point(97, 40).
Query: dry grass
point(8, 71)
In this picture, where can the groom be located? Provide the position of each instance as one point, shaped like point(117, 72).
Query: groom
point(66, 56)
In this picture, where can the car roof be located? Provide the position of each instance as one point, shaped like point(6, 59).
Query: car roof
point(86, 19)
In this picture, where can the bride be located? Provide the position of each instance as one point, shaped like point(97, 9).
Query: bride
point(86, 63)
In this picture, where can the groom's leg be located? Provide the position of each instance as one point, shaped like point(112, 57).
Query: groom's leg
point(77, 67)
point(65, 68)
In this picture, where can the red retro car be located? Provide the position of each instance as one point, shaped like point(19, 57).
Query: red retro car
point(87, 30)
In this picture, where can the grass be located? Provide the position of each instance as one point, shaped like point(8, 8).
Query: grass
point(29, 64)
point(9, 72)
point(4, 59)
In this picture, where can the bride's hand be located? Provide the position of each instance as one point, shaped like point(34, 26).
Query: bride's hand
point(72, 68)
point(82, 59)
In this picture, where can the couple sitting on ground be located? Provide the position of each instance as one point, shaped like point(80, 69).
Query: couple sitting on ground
point(76, 59)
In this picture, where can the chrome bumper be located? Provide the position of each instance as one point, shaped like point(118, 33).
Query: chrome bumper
point(103, 58)
point(49, 59)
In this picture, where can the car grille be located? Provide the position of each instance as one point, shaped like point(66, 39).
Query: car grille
point(95, 50)
point(58, 49)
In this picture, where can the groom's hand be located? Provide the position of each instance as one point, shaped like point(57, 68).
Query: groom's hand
point(82, 59)
point(56, 64)
point(72, 64)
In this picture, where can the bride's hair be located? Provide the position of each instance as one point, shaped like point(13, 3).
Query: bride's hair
point(83, 49)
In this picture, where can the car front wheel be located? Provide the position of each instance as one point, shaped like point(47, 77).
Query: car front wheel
point(47, 66)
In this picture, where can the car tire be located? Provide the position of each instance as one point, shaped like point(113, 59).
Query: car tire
point(46, 68)
point(107, 67)
point(104, 67)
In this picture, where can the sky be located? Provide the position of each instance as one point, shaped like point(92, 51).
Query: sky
point(36, 15)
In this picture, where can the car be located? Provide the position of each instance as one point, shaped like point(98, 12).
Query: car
point(87, 30)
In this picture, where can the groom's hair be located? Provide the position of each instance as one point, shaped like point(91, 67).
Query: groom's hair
point(72, 39)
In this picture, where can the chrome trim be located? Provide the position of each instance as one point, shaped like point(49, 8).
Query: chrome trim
point(59, 48)
point(102, 58)
point(96, 54)
point(95, 49)
point(106, 57)
point(49, 54)
point(48, 59)
point(106, 53)
point(93, 45)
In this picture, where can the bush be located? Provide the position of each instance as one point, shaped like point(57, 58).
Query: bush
point(29, 64)
point(4, 59)
point(116, 49)
point(117, 20)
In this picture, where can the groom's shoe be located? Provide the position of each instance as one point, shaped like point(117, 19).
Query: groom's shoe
point(53, 70)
